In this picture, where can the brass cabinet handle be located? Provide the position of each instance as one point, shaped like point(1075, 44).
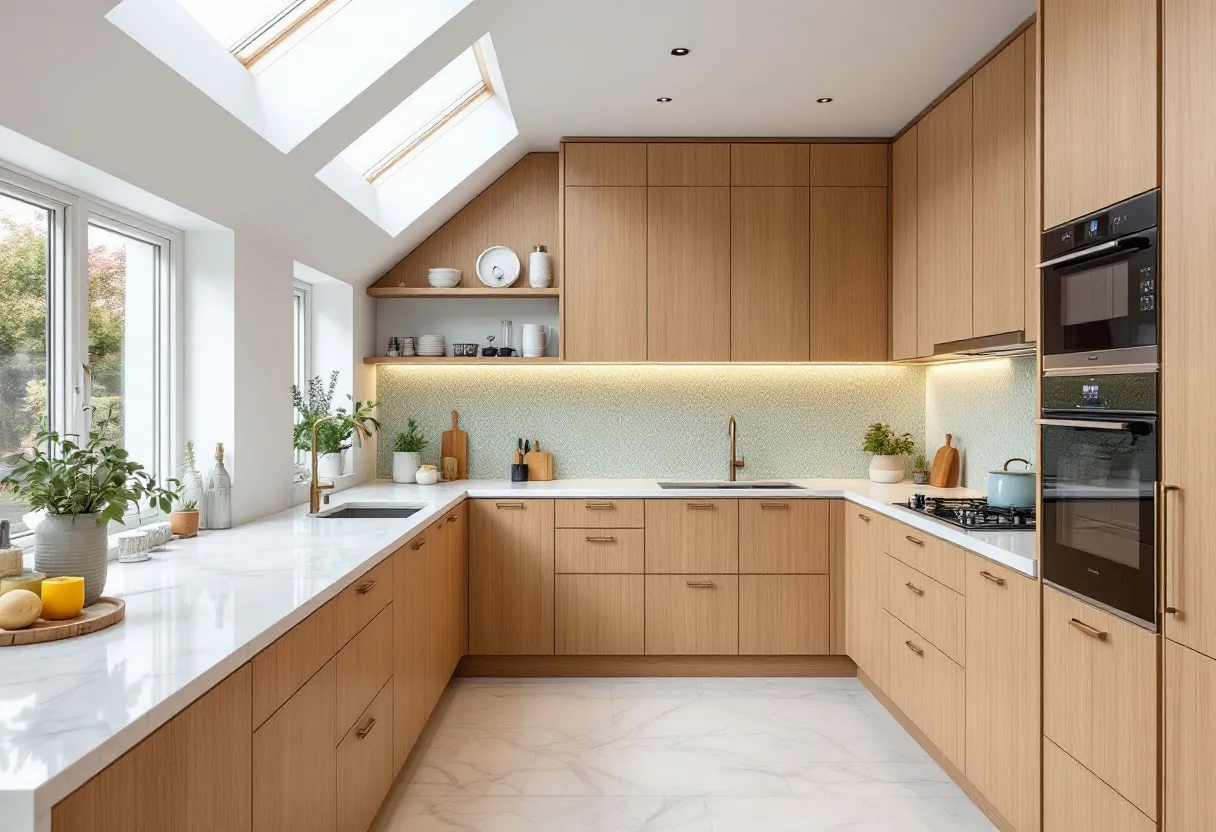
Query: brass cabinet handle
point(700, 505)
point(418, 544)
point(366, 729)
point(914, 588)
point(1171, 569)
point(508, 505)
point(600, 539)
point(774, 505)
point(1092, 632)
point(367, 587)
point(599, 506)
point(917, 650)
point(863, 518)
point(994, 578)
point(915, 540)
point(452, 518)
point(701, 584)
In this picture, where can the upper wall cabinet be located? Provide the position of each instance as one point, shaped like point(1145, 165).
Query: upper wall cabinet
point(605, 163)
point(904, 315)
point(687, 163)
point(1099, 104)
point(849, 164)
point(770, 164)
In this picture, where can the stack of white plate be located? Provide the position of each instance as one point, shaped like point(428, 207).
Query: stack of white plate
point(443, 278)
point(431, 345)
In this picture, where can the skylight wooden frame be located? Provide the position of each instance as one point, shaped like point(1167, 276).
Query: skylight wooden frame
point(282, 30)
point(443, 121)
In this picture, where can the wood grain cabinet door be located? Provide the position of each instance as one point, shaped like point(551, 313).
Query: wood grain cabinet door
point(769, 274)
point(600, 615)
point(1190, 737)
point(865, 582)
point(784, 536)
point(929, 687)
point(511, 577)
point(605, 294)
point(688, 274)
point(692, 536)
point(904, 342)
point(1003, 727)
point(415, 606)
point(783, 615)
point(1075, 800)
point(365, 764)
point(692, 615)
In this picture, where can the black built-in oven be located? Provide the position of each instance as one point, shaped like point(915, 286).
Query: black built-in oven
point(1100, 490)
point(1100, 288)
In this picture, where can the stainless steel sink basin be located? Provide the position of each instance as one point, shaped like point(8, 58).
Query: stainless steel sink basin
point(368, 511)
point(726, 484)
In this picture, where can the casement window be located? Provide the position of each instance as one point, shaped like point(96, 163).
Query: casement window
point(301, 316)
point(88, 295)
point(259, 32)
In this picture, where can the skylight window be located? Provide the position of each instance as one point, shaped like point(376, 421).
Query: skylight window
point(258, 32)
point(433, 109)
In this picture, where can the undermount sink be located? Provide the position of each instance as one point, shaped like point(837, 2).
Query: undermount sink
point(726, 484)
point(368, 511)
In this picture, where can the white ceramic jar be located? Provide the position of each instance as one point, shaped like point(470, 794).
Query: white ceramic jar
point(540, 268)
point(886, 469)
point(405, 465)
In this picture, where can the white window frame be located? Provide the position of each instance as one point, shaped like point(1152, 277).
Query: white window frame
point(68, 383)
point(302, 349)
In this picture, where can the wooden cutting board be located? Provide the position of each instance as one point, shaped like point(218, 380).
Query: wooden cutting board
point(944, 473)
point(105, 613)
point(455, 443)
point(540, 463)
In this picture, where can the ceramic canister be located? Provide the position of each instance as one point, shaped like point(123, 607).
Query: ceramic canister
point(540, 268)
point(73, 546)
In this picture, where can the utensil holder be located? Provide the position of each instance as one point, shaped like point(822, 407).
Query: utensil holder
point(519, 473)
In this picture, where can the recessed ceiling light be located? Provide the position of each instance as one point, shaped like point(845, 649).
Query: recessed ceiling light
point(680, 51)
point(824, 100)
point(663, 100)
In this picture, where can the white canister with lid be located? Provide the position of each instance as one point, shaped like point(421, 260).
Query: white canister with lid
point(540, 268)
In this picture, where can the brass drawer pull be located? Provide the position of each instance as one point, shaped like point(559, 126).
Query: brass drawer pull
point(863, 518)
point(774, 505)
point(452, 518)
point(508, 505)
point(700, 505)
point(599, 506)
point(366, 729)
point(1092, 632)
point(914, 588)
point(367, 587)
point(915, 540)
point(600, 539)
point(701, 584)
point(418, 544)
point(990, 577)
point(917, 650)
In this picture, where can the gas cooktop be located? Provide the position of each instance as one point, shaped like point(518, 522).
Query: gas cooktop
point(972, 515)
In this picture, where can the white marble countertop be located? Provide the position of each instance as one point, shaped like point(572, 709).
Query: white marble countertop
point(198, 611)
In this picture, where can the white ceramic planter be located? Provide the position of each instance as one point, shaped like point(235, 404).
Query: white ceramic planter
point(76, 546)
point(405, 465)
point(886, 469)
point(329, 465)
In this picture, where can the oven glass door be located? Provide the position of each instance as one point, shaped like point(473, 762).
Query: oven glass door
point(1102, 302)
point(1099, 520)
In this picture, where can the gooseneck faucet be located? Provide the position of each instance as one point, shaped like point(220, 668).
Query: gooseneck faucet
point(735, 462)
point(315, 486)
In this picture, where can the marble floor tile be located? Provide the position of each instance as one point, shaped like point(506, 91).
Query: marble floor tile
point(548, 814)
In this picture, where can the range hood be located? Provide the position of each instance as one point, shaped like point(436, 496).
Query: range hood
point(1005, 343)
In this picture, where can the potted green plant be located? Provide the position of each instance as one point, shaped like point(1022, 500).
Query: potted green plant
point(333, 437)
point(889, 450)
point(82, 489)
point(184, 521)
point(407, 452)
point(920, 470)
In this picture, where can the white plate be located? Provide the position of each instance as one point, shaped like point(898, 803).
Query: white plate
point(498, 267)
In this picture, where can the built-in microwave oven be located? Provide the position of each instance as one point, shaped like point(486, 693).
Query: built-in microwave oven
point(1100, 288)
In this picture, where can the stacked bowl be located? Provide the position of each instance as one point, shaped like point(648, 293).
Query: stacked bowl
point(442, 278)
point(432, 345)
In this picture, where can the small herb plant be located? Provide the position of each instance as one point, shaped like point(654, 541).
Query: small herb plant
point(63, 477)
point(332, 437)
point(188, 455)
point(920, 463)
point(411, 439)
point(880, 439)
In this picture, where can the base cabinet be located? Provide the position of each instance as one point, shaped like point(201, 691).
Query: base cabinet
point(511, 570)
point(365, 764)
point(865, 584)
point(1075, 800)
point(600, 615)
point(783, 615)
point(692, 615)
point(1190, 739)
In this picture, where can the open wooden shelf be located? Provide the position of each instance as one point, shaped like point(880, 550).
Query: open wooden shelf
point(459, 292)
point(448, 359)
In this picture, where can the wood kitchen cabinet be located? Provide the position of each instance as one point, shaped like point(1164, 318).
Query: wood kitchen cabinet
point(692, 615)
point(849, 283)
point(605, 281)
point(849, 165)
point(904, 313)
point(1002, 695)
point(1190, 739)
point(1100, 80)
point(604, 164)
point(769, 273)
point(692, 536)
point(784, 536)
point(944, 203)
point(928, 686)
point(364, 764)
point(688, 292)
point(1074, 800)
point(783, 615)
point(600, 615)
point(1032, 223)
point(865, 587)
point(511, 568)
point(784, 164)
point(687, 164)
point(193, 774)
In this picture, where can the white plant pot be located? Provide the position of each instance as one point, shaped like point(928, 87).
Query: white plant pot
point(75, 546)
point(886, 469)
point(405, 465)
point(330, 465)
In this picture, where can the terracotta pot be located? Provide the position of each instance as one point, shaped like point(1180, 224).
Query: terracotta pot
point(184, 523)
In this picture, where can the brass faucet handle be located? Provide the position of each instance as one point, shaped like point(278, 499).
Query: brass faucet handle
point(324, 486)
point(740, 462)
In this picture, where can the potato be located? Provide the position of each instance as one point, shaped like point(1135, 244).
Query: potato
point(19, 609)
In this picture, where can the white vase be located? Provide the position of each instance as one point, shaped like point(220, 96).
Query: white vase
point(330, 465)
point(217, 494)
point(75, 546)
point(540, 268)
point(405, 465)
point(887, 469)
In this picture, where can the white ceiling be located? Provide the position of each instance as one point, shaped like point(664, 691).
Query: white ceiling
point(571, 68)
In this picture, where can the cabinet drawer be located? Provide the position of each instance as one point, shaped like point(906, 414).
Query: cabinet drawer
point(929, 555)
point(362, 667)
point(934, 611)
point(783, 536)
point(282, 668)
point(1100, 695)
point(692, 614)
point(692, 536)
point(928, 687)
point(1075, 800)
point(600, 550)
point(360, 602)
point(365, 764)
point(599, 514)
point(783, 615)
point(598, 615)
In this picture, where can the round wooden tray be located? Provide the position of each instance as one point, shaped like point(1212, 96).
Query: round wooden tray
point(105, 612)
